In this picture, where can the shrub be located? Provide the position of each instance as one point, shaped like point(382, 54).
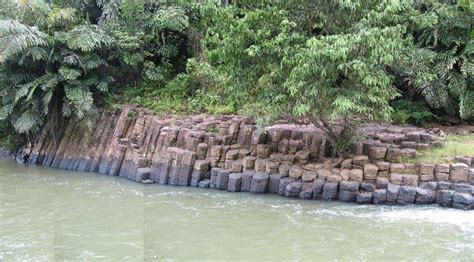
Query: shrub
point(413, 112)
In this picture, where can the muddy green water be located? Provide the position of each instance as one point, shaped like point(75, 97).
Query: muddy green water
point(54, 215)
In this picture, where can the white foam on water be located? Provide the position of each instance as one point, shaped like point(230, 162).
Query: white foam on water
point(462, 219)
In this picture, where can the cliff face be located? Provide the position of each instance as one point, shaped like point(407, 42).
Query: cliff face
point(120, 144)
point(231, 153)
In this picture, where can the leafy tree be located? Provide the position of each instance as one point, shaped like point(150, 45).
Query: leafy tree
point(245, 47)
point(341, 76)
point(340, 79)
point(11, 140)
point(61, 57)
point(50, 57)
point(286, 59)
point(150, 38)
point(332, 62)
point(440, 66)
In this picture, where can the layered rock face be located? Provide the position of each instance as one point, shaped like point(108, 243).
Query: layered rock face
point(231, 153)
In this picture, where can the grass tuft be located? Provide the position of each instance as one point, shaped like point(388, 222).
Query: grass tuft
point(455, 146)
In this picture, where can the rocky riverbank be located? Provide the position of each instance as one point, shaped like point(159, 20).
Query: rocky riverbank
point(231, 153)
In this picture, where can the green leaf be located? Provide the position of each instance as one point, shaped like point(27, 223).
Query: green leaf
point(69, 73)
point(28, 122)
point(87, 38)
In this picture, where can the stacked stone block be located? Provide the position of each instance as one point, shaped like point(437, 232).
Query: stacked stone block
point(231, 153)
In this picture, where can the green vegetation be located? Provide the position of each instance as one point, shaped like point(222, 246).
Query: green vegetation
point(50, 58)
point(62, 57)
point(413, 112)
point(456, 145)
point(440, 64)
point(324, 61)
point(10, 140)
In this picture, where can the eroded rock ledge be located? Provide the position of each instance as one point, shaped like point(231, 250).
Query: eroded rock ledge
point(231, 153)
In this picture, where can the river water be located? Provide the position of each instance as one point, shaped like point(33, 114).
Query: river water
point(55, 215)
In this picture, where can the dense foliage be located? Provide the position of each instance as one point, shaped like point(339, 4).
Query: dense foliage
point(60, 57)
point(413, 112)
point(51, 57)
point(321, 61)
point(440, 64)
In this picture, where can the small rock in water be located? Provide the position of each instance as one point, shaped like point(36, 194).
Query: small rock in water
point(246, 180)
point(306, 191)
point(349, 186)
point(235, 181)
point(259, 182)
point(147, 181)
point(367, 187)
point(392, 193)
point(274, 183)
point(318, 189)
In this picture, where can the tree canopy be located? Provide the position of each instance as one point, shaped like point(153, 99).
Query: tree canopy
point(319, 60)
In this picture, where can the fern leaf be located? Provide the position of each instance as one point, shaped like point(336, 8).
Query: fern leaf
point(36, 53)
point(171, 18)
point(22, 91)
point(87, 38)
point(46, 99)
point(110, 11)
point(5, 111)
point(28, 122)
point(16, 37)
point(69, 73)
point(59, 16)
point(92, 61)
point(466, 107)
point(103, 86)
point(80, 100)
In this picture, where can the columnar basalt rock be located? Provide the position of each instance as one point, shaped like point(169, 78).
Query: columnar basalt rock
point(379, 196)
point(348, 191)
point(459, 173)
point(259, 182)
point(364, 197)
point(231, 153)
